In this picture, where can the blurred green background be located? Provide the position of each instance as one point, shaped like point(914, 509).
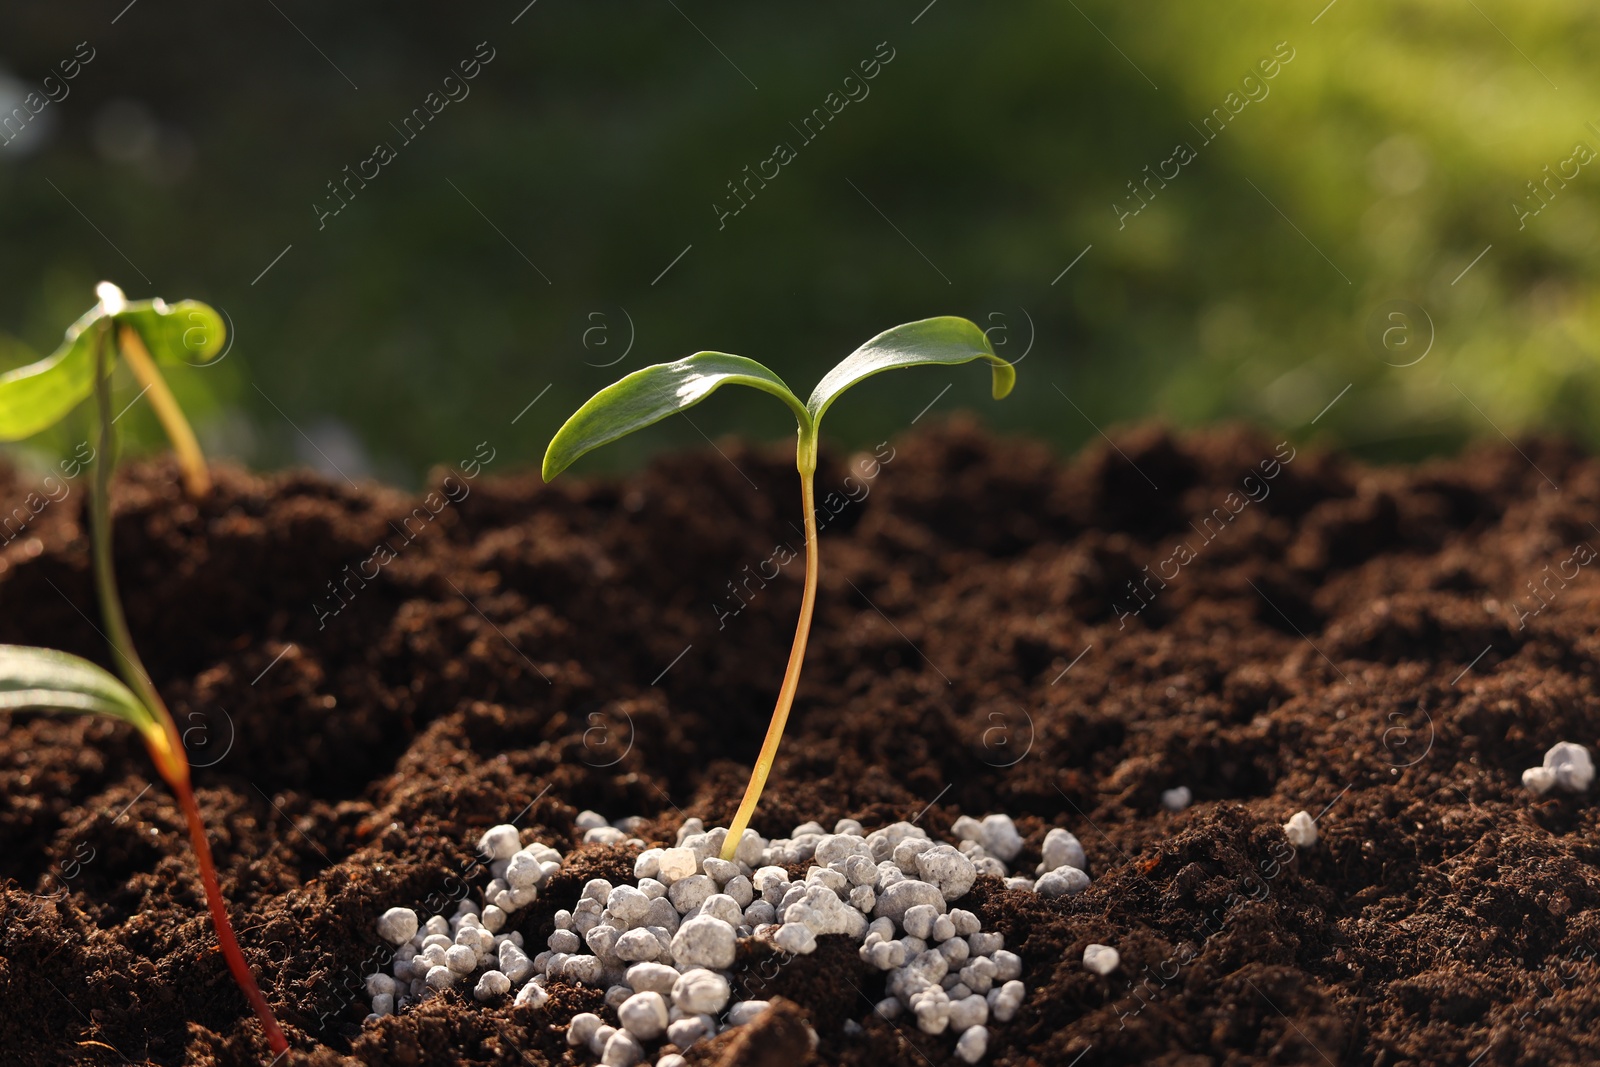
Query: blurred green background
point(1355, 224)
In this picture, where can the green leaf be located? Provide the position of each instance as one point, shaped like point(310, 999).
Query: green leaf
point(15, 352)
point(943, 340)
point(647, 396)
point(185, 332)
point(44, 678)
point(35, 397)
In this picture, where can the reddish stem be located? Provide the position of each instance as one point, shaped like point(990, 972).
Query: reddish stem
point(163, 741)
point(219, 919)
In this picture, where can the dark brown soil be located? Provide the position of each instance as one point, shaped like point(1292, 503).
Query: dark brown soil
point(1361, 641)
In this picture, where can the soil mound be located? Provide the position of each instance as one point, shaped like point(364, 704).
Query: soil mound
point(998, 630)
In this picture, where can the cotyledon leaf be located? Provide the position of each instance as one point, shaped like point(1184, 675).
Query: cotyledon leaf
point(947, 339)
point(647, 396)
point(185, 332)
point(35, 397)
point(44, 678)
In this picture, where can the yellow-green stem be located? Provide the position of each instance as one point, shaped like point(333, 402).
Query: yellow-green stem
point(196, 479)
point(791, 677)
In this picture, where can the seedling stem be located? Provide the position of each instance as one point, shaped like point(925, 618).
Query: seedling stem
point(163, 741)
point(791, 677)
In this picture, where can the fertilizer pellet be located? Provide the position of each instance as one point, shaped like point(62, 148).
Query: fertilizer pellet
point(967, 1012)
point(1066, 880)
point(675, 863)
point(795, 939)
point(585, 970)
point(492, 985)
point(637, 946)
point(500, 842)
point(1569, 768)
point(532, 996)
point(1062, 849)
point(739, 888)
point(514, 963)
point(1539, 780)
point(955, 952)
point(398, 925)
point(644, 1015)
point(1101, 959)
point(947, 869)
point(700, 990)
point(999, 837)
point(601, 1037)
point(973, 1044)
point(705, 942)
point(690, 892)
point(1004, 1002)
point(1301, 830)
point(685, 1031)
point(658, 948)
point(581, 1027)
point(623, 1050)
point(932, 1008)
point(652, 978)
point(1176, 799)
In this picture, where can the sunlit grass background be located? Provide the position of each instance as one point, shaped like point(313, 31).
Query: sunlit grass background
point(1385, 160)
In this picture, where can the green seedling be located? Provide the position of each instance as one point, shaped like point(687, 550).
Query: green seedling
point(32, 399)
point(647, 396)
point(39, 395)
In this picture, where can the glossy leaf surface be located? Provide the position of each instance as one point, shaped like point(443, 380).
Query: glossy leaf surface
point(45, 679)
point(945, 340)
point(647, 396)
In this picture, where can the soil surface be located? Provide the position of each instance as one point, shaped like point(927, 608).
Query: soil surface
point(997, 630)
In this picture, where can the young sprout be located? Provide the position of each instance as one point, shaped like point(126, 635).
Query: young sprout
point(39, 395)
point(32, 399)
point(650, 395)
